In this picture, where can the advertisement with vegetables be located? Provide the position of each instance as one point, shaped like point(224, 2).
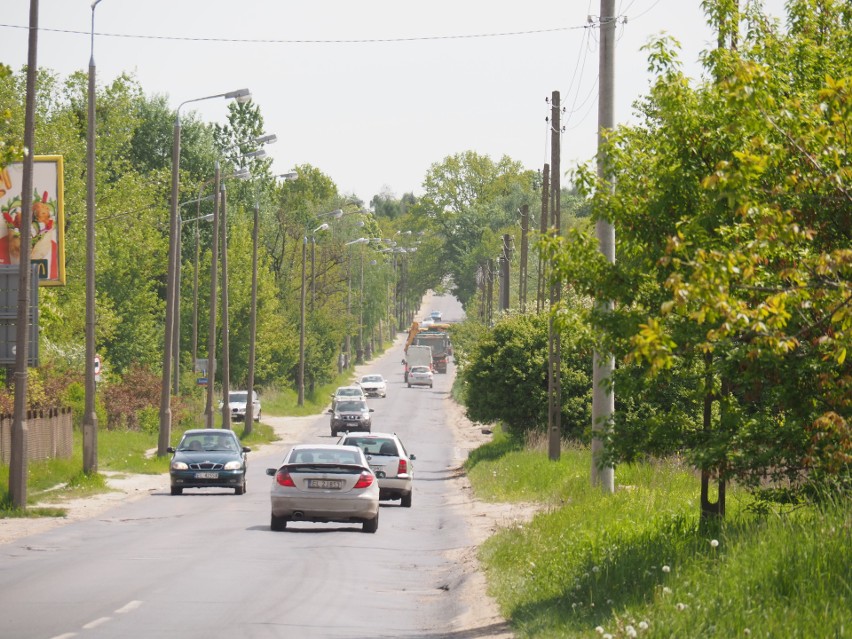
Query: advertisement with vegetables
point(48, 217)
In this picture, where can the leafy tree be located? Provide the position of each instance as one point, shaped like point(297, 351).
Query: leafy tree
point(470, 198)
point(732, 281)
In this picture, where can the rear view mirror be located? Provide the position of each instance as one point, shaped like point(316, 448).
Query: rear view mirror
point(271, 471)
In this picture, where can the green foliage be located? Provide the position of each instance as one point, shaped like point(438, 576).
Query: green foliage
point(470, 198)
point(733, 266)
point(504, 373)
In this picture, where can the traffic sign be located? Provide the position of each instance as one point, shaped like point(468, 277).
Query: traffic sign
point(201, 381)
point(97, 364)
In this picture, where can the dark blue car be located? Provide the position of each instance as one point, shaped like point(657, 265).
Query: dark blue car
point(208, 457)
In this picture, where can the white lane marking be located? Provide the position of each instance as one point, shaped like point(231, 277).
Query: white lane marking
point(96, 623)
point(130, 607)
point(67, 635)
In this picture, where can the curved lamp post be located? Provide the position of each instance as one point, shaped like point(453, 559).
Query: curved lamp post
point(243, 95)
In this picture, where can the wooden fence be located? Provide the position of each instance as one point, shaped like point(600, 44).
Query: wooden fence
point(50, 434)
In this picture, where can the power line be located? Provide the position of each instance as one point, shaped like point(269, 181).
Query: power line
point(470, 36)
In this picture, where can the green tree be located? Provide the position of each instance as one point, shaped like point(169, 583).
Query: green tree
point(471, 198)
point(732, 280)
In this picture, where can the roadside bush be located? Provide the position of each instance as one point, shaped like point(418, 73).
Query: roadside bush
point(126, 400)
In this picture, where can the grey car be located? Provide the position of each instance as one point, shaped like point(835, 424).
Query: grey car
point(350, 415)
point(324, 482)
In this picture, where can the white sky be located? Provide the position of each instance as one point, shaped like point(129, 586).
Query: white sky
point(372, 115)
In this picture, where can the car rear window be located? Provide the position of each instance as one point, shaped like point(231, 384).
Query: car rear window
point(324, 456)
point(373, 445)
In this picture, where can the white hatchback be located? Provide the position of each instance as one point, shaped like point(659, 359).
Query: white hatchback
point(391, 463)
point(374, 385)
point(420, 376)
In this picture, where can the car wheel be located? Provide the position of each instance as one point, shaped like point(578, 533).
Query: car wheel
point(177, 490)
point(333, 433)
point(240, 490)
point(430, 385)
point(278, 523)
point(405, 502)
point(371, 525)
point(409, 385)
point(257, 418)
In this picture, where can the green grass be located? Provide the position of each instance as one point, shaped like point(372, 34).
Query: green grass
point(285, 401)
point(639, 557)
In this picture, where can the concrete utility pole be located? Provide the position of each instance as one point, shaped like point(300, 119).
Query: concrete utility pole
point(226, 365)
point(504, 272)
point(522, 270)
point(603, 399)
point(554, 408)
point(209, 419)
point(542, 265)
point(90, 417)
point(19, 452)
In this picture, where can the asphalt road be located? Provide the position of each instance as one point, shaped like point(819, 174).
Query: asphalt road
point(205, 564)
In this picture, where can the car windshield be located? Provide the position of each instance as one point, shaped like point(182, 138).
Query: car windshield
point(419, 369)
point(351, 407)
point(208, 443)
point(237, 397)
point(348, 392)
point(371, 378)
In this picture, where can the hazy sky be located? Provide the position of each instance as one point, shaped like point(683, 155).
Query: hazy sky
point(372, 92)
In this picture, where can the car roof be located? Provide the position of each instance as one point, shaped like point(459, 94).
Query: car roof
point(363, 434)
point(317, 447)
point(208, 431)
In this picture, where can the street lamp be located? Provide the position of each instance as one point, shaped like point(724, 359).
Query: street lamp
point(253, 312)
point(90, 417)
point(241, 95)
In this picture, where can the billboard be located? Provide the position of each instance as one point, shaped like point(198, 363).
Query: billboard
point(47, 235)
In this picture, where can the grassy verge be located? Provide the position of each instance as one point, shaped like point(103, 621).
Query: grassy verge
point(637, 563)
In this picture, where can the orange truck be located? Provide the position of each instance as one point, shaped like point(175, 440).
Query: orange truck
point(435, 336)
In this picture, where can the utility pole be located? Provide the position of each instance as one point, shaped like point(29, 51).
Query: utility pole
point(209, 419)
point(90, 417)
point(504, 272)
point(603, 399)
point(554, 408)
point(522, 271)
point(542, 265)
point(226, 360)
point(19, 452)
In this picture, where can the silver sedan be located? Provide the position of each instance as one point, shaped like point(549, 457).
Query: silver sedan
point(324, 483)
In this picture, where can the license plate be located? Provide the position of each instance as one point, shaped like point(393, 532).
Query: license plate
point(333, 484)
point(352, 424)
point(207, 475)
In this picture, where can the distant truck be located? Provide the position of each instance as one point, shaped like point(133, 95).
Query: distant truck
point(437, 337)
point(439, 341)
point(417, 356)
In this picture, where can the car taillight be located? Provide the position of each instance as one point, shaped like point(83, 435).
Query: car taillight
point(402, 469)
point(283, 478)
point(366, 479)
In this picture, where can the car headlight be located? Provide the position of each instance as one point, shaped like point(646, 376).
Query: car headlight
point(178, 465)
point(233, 465)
